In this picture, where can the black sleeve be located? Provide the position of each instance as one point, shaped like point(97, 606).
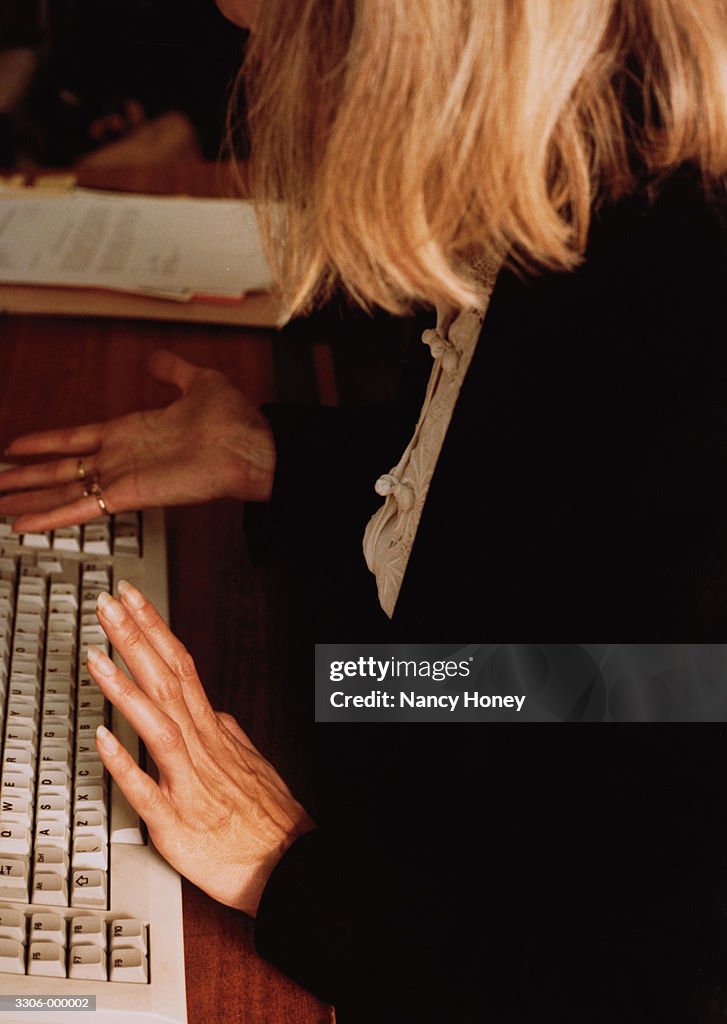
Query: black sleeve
point(328, 459)
point(365, 911)
point(489, 881)
point(327, 462)
point(355, 925)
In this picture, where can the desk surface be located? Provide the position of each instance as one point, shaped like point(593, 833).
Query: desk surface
point(70, 371)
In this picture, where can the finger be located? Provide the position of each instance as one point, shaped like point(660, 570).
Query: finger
point(172, 651)
point(33, 502)
point(69, 441)
point(172, 369)
point(81, 511)
point(140, 790)
point(45, 474)
point(161, 735)
point(152, 674)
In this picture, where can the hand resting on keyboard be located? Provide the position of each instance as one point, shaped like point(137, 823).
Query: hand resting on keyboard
point(211, 442)
point(220, 813)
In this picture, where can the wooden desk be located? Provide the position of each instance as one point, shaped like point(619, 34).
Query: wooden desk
point(229, 613)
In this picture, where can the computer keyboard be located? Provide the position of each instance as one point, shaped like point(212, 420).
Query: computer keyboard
point(88, 909)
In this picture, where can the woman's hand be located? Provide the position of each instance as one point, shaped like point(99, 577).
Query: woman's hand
point(210, 443)
point(220, 813)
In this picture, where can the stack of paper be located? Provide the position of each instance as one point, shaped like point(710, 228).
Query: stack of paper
point(176, 248)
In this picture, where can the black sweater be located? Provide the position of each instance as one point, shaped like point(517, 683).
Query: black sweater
point(531, 873)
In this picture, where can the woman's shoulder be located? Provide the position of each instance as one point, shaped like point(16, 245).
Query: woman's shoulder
point(676, 219)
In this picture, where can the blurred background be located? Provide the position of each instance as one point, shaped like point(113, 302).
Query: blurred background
point(122, 92)
point(115, 81)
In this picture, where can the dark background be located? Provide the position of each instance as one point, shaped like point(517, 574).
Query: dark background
point(83, 58)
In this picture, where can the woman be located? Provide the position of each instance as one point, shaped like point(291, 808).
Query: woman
point(548, 175)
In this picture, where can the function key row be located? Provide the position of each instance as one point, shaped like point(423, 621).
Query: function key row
point(83, 947)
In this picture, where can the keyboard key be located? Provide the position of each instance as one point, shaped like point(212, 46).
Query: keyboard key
point(128, 933)
point(91, 773)
point(126, 534)
point(47, 959)
point(89, 852)
point(12, 924)
point(15, 838)
point(54, 807)
point(51, 860)
point(87, 963)
point(67, 538)
point(88, 889)
point(16, 808)
point(49, 889)
point(56, 759)
point(36, 540)
point(48, 926)
point(12, 956)
point(91, 823)
point(19, 734)
point(97, 538)
point(87, 929)
point(14, 878)
point(13, 784)
point(52, 833)
point(128, 965)
point(89, 798)
point(52, 782)
point(19, 759)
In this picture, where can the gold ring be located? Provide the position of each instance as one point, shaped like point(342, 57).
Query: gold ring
point(96, 491)
point(88, 484)
point(81, 470)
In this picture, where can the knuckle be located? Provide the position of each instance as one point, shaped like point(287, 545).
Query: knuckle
point(186, 668)
point(126, 692)
point(150, 617)
point(152, 797)
point(207, 726)
point(167, 690)
point(132, 639)
point(170, 736)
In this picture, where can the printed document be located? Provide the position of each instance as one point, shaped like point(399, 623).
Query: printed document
point(177, 247)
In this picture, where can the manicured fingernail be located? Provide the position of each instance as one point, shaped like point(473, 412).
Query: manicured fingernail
point(130, 595)
point(100, 662)
point(106, 739)
point(109, 608)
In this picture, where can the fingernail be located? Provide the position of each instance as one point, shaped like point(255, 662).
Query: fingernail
point(109, 608)
point(130, 595)
point(100, 662)
point(106, 739)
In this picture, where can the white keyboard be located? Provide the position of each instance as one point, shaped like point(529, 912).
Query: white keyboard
point(88, 909)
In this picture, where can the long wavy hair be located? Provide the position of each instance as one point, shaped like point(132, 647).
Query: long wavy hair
point(396, 135)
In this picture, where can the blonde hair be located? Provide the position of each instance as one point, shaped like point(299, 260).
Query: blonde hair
point(398, 134)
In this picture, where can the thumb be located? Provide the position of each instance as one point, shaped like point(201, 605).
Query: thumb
point(172, 369)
